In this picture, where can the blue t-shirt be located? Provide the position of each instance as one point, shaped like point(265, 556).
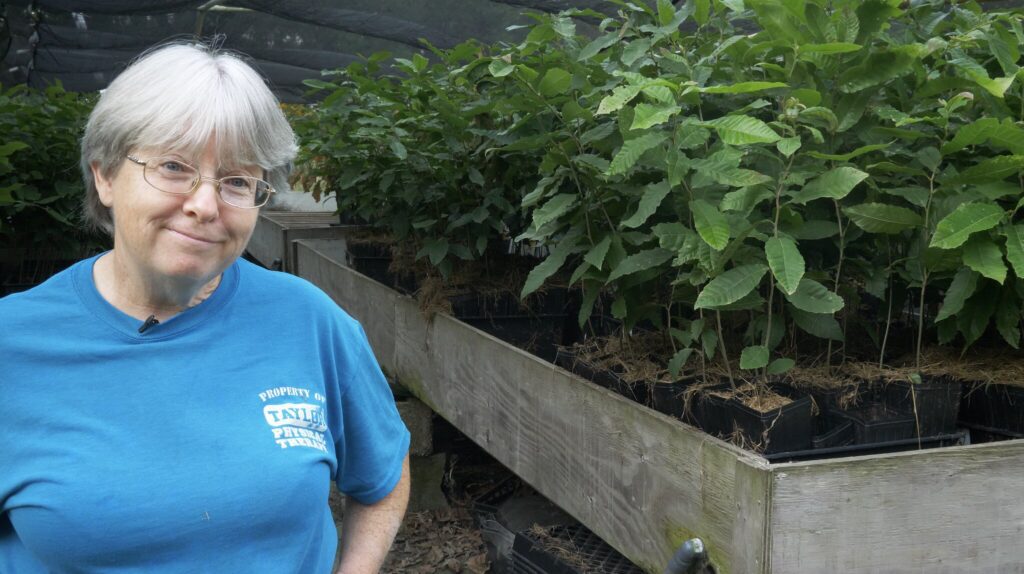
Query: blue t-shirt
point(205, 444)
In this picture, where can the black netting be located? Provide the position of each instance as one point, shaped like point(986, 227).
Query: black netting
point(85, 44)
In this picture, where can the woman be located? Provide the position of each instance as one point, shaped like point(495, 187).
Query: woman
point(167, 406)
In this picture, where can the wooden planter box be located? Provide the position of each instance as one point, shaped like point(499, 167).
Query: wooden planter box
point(275, 232)
point(646, 482)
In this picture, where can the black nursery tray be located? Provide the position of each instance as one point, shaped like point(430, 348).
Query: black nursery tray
point(994, 407)
point(572, 550)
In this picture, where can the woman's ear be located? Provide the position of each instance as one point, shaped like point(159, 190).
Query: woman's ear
point(104, 186)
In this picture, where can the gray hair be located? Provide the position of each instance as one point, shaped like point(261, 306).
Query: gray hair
point(180, 97)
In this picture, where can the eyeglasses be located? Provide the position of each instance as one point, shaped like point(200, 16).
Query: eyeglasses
point(171, 175)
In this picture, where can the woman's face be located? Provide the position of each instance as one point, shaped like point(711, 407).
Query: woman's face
point(194, 236)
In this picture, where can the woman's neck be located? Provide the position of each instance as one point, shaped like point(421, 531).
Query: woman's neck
point(141, 295)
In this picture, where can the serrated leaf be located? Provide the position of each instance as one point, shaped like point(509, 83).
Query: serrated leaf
point(556, 81)
point(780, 366)
point(647, 115)
point(678, 361)
point(878, 68)
point(635, 50)
point(671, 236)
point(435, 249)
point(992, 169)
point(639, 262)
point(1015, 248)
point(786, 262)
point(398, 149)
point(743, 130)
point(832, 48)
point(960, 289)
point(973, 133)
point(815, 229)
point(882, 218)
point(743, 88)
point(730, 286)
point(500, 68)
point(654, 194)
point(744, 199)
point(788, 146)
point(814, 297)
point(554, 208)
point(596, 254)
point(754, 357)
point(619, 97)
point(848, 156)
point(822, 325)
point(631, 151)
point(985, 257)
point(1008, 317)
point(595, 46)
point(711, 225)
point(835, 184)
point(954, 229)
point(551, 264)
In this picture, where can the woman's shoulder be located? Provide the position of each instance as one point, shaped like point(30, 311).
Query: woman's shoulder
point(284, 289)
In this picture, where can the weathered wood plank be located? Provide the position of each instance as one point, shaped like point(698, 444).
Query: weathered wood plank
point(276, 230)
point(952, 510)
point(642, 481)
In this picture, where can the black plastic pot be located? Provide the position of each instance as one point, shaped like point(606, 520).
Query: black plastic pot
point(786, 428)
point(877, 422)
point(840, 434)
point(994, 408)
point(610, 380)
point(668, 397)
point(935, 402)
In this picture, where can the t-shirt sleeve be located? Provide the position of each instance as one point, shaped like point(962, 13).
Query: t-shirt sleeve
point(371, 440)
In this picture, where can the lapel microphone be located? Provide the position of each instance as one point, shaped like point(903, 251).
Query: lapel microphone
point(148, 323)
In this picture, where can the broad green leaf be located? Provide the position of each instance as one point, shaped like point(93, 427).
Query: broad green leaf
point(815, 229)
point(835, 184)
point(435, 249)
point(974, 133)
point(788, 146)
point(500, 68)
point(848, 156)
point(954, 229)
point(977, 73)
point(833, 48)
point(551, 264)
point(742, 130)
point(882, 218)
point(671, 236)
point(878, 68)
point(556, 81)
point(554, 208)
point(10, 147)
point(960, 289)
point(647, 115)
point(822, 325)
point(659, 93)
point(786, 262)
point(1015, 248)
point(702, 11)
point(594, 47)
point(992, 169)
point(640, 262)
point(743, 88)
point(619, 97)
point(596, 254)
point(678, 361)
point(398, 149)
point(710, 223)
point(780, 366)
point(654, 194)
point(1008, 317)
point(813, 297)
point(973, 321)
point(631, 151)
point(634, 50)
point(730, 286)
point(749, 302)
point(1005, 52)
point(984, 256)
point(754, 357)
point(744, 199)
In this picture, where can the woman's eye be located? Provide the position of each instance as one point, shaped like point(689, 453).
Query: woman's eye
point(172, 166)
point(237, 182)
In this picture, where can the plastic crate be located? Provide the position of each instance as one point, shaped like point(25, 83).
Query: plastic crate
point(590, 554)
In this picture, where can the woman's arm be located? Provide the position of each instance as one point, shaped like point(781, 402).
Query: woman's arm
point(367, 531)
